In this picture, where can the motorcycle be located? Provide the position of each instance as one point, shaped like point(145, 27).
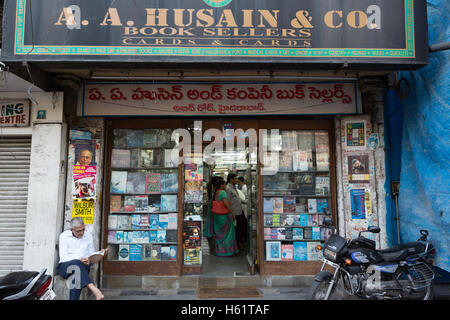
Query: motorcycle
point(26, 285)
point(401, 272)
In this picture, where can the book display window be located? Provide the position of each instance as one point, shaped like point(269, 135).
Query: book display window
point(298, 197)
point(143, 196)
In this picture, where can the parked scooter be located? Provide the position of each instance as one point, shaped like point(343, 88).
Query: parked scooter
point(26, 285)
point(401, 272)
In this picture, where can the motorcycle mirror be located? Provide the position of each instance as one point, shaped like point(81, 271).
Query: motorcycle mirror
point(328, 222)
point(373, 229)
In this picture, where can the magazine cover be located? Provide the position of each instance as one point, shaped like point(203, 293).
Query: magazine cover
point(141, 203)
point(273, 250)
point(297, 233)
point(303, 220)
point(276, 220)
point(146, 158)
point(193, 192)
point(135, 221)
point(171, 236)
point(154, 220)
point(316, 233)
point(135, 252)
point(287, 252)
point(83, 182)
point(163, 221)
point(160, 236)
point(268, 220)
point(129, 205)
point(165, 253)
point(193, 172)
point(156, 252)
point(147, 252)
point(312, 205)
point(153, 182)
point(173, 253)
point(134, 158)
point(192, 256)
point(278, 205)
point(268, 205)
point(154, 203)
point(124, 252)
point(289, 204)
point(322, 185)
point(191, 234)
point(118, 181)
point(322, 205)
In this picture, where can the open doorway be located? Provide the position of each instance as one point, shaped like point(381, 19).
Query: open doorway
point(240, 161)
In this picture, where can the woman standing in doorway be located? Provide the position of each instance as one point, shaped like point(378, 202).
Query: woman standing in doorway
point(223, 222)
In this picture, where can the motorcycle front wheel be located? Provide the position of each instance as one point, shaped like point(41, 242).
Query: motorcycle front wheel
point(319, 288)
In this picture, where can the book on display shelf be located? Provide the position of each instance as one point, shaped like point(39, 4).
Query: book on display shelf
point(135, 221)
point(173, 221)
point(289, 234)
point(153, 234)
point(153, 182)
point(171, 235)
point(141, 203)
point(316, 233)
point(112, 221)
point(307, 233)
point(268, 220)
point(173, 253)
point(289, 204)
point(154, 203)
point(156, 252)
point(154, 220)
point(118, 181)
point(135, 252)
point(169, 202)
point(135, 138)
point(322, 205)
point(146, 158)
point(300, 251)
point(124, 252)
point(312, 252)
point(147, 252)
point(119, 138)
point(129, 204)
point(297, 233)
point(277, 205)
point(145, 221)
point(136, 182)
point(120, 158)
point(150, 138)
point(303, 219)
point(312, 205)
point(165, 253)
point(287, 252)
point(115, 203)
point(168, 163)
point(276, 220)
point(134, 158)
point(169, 182)
point(163, 221)
point(268, 205)
point(161, 236)
point(273, 250)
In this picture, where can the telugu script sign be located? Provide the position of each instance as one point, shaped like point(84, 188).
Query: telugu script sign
point(220, 99)
point(363, 31)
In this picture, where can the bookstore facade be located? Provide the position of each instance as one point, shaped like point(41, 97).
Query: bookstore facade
point(289, 97)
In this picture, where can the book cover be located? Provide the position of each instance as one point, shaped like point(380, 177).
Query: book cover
point(147, 252)
point(268, 205)
point(303, 218)
point(192, 256)
point(145, 221)
point(128, 236)
point(316, 233)
point(171, 235)
point(146, 158)
point(118, 181)
point(285, 161)
point(153, 182)
point(169, 182)
point(161, 236)
point(268, 220)
point(156, 252)
point(128, 204)
point(154, 203)
point(120, 158)
point(322, 186)
point(312, 252)
point(164, 138)
point(300, 251)
point(141, 203)
point(135, 252)
point(312, 205)
point(278, 205)
point(169, 203)
point(267, 233)
point(136, 182)
point(158, 158)
point(134, 158)
point(281, 233)
point(193, 209)
point(313, 220)
point(163, 221)
point(119, 138)
point(154, 220)
point(124, 252)
point(153, 234)
point(165, 253)
point(289, 204)
point(276, 220)
point(193, 172)
point(193, 192)
point(300, 160)
point(112, 221)
point(306, 184)
point(135, 221)
point(322, 205)
point(307, 233)
point(112, 236)
point(273, 233)
point(123, 222)
point(135, 138)
point(168, 163)
point(289, 234)
point(191, 234)
point(150, 138)
point(273, 250)
point(322, 151)
point(287, 252)
point(297, 233)
point(115, 203)
point(325, 233)
point(173, 253)
point(173, 221)
point(290, 220)
point(301, 207)
point(119, 237)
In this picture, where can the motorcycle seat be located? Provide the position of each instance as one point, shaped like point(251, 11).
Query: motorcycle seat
point(402, 251)
point(15, 282)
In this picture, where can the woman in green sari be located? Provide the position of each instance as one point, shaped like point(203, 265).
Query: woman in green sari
point(223, 222)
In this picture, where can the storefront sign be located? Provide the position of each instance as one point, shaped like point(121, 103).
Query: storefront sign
point(219, 99)
point(195, 30)
point(15, 113)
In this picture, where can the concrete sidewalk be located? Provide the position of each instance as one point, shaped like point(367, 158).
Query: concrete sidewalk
point(441, 292)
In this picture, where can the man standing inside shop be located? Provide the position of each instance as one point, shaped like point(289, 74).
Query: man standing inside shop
point(236, 208)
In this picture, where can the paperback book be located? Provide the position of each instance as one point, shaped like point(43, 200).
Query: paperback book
point(115, 203)
point(289, 204)
point(165, 253)
point(312, 252)
point(173, 221)
point(312, 205)
point(154, 220)
point(268, 205)
point(278, 205)
point(124, 252)
point(163, 221)
point(297, 233)
point(146, 158)
point(153, 182)
point(322, 205)
point(169, 203)
point(136, 182)
point(129, 204)
point(135, 138)
point(119, 138)
point(300, 251)
point(135, 252)
point(120, 158)
point(112, 221)
point(287, 252)
point(316, 233)
point(118, 181)
point(169, 182)
point(161, 236)
point(154, 203)
point(141, 203)
point(273, 250)
point(173, 253)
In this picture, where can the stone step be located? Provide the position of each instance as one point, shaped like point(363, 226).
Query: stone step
point(195, 281)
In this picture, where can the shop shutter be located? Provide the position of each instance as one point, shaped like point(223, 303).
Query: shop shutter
point(14, 174)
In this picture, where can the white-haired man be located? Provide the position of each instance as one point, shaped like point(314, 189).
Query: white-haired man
point(75, 248)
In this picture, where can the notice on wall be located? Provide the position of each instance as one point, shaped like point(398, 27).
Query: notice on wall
point(358, 203)
point(83, 182)
point(358, 168)
point(84, 208)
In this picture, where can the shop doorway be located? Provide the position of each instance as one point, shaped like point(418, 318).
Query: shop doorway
point(238, 156)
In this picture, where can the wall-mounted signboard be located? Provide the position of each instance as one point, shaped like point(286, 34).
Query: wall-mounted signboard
point(15, 113)
point(333, 31)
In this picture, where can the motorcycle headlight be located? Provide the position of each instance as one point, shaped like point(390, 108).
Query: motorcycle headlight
point(329, 254)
